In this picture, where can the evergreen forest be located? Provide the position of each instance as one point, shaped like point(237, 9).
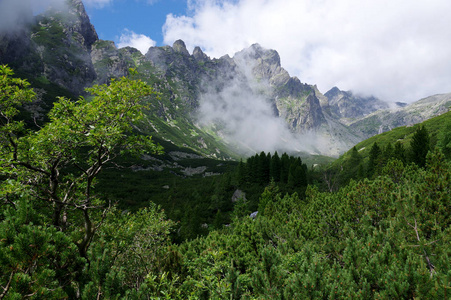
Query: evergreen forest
point(77, 223)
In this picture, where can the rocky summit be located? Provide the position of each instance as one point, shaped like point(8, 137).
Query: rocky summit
point(220, 107)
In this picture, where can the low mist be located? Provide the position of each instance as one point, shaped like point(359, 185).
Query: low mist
point(248, 120)
point(14, 14)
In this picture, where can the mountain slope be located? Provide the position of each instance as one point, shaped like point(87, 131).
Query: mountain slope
point(222, 107)
point(417, 112)
point(436, 127)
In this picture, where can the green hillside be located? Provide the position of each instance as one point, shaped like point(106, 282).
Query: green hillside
point(436, 127)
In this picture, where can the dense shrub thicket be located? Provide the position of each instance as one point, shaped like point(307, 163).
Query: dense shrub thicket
point(386, 238)
point(385, 234)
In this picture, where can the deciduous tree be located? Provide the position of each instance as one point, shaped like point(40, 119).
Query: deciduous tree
point(60, 162)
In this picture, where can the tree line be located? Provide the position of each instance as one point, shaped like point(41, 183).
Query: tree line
point(263, 168)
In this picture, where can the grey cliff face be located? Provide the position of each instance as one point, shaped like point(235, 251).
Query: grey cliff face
point(199, 55)
point(294, 101)
point(402, 115)
point(347, 105)
point(180, 47)
point(254, 72)
point(176, 63)
point(17, 50)
point(108, 61)
point(57, 47)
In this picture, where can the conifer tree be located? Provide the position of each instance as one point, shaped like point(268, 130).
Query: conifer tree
point(388, 152)
point(293, 173)
point(263, 168)
point(241, 173)
point(284, 168)
point(275, 167)
point(291, 181)
point(444, 142)
point(352, 165)
point(420, 146)
point(355, 157)
point(373, 162)
point(251, 166)
point(399, 152)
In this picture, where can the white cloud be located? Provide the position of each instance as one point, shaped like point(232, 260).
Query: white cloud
point(138, 41)
point(398, 50)
point(246, 119)
point(15, 13)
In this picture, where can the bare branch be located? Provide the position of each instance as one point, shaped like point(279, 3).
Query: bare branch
point(430, 265)
point(8, 285)
point(32, 168)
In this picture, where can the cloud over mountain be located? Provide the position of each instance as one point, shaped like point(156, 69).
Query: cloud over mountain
point(15, 13)
point(135, 40)
point(397, 50)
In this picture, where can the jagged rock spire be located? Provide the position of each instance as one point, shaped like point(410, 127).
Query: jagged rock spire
point(199, 55)
point(180, 47)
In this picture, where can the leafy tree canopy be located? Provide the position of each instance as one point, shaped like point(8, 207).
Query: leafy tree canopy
point(50, 173)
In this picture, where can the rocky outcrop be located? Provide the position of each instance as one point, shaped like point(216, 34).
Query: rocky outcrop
point(15, 43)
point(108, 61)
point(177, 65)
point(64, 40)
point(347, 105)
point(405, 115)
point(18, 51)
point(199, 55)
point(180, 47)
point(56, 45)
point(238, 195)
point(77, 22)
point(294, 101)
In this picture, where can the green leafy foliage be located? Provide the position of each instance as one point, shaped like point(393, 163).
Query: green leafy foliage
point(14, 92)
point(386, 235)
point(57, 166)
point(374, 239)
point(130, 253)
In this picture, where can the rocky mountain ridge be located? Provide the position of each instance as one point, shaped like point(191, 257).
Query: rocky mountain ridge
point(63, 47)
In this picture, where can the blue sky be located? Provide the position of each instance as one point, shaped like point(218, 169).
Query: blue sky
point(113, 19)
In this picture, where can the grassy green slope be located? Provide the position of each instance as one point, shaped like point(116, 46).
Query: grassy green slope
point(402, 134)
point(169, 116)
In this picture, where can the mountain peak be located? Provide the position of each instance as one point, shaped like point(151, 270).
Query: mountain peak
point(74, 18)
point(256, 51)
point(84, 26)
point(344, 104)
point(180, 47)
point(199, 54)
point(333, 92)
point(256, 47)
